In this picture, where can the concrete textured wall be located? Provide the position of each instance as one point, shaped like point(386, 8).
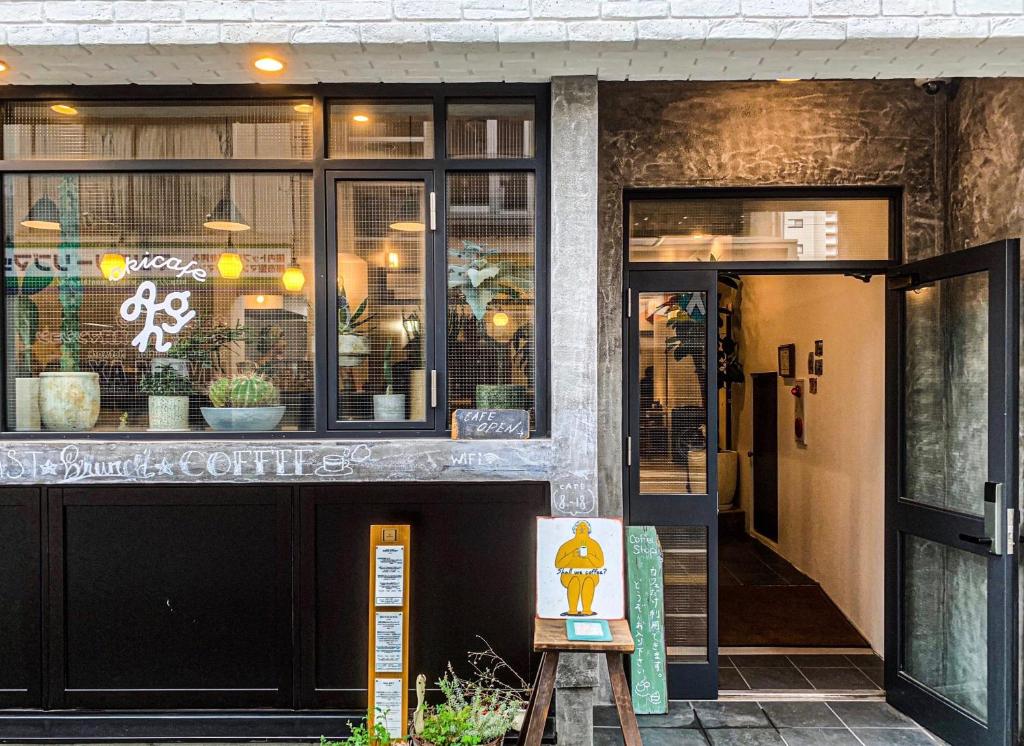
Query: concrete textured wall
point(986, 152)
point(213, 41)
point(827, 133)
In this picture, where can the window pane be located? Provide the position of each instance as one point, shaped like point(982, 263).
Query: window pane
point(392, 130)
point(83, 130)
point(381, 300)
point(491, 130)
point(673, 380)
point(741, 229)
point(945, 402)
point(945, 625)
point(686, 592)
point(491, 291)
point(205, 322)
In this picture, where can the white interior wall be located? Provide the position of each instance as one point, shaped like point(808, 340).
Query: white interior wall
point(831, 492)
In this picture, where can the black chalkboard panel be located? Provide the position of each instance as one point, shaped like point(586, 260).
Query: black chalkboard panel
point(490, 424)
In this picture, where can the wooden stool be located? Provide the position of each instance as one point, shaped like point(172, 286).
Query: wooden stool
point(550, 640)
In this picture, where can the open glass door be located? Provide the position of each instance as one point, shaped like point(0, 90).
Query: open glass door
point(952, 466)
point(672, 333)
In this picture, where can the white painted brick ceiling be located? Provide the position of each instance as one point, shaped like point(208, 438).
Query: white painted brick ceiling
point(214, 41)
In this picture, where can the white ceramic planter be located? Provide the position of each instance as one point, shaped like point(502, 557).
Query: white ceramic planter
point(69, 401)
point(389, 407)
point(352, 350)
point(168, 413)
point(728, 462)
point(26, 405)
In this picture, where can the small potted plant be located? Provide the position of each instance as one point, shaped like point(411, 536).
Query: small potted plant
point(477, 711)
point(168, 392)
point(389, 405)
point(364, 734)
point(248, 401)
point(352, 345)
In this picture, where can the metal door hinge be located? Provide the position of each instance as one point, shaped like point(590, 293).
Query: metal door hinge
point(629, 450)
point(433, 211)
point(433, 389)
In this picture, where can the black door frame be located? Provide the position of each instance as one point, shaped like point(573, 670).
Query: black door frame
point(1001, 261)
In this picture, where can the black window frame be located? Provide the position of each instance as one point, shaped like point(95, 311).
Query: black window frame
point(324, 171)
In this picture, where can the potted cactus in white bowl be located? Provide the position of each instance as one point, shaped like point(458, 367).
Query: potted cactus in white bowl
point(248, 401)
point(168, 393)
point(388, 406)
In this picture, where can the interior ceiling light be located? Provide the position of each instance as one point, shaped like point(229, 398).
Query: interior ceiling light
point(113, 266)
point(65, 109)
point(303, 108)
point(269, 64)
point(4, 67)
point(393, 261)
point(361, 118)
point(408, 226)
point(500, 319)
point(226, 217)
point(43, 215)
point(787, 80)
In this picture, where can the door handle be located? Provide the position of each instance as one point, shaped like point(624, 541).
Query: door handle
point(750, 454)
point(980, 540)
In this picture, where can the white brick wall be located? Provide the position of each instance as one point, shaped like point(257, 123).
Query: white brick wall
point(214, 41)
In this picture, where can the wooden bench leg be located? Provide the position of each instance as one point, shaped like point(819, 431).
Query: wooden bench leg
point(540, 702)
point(623, 700)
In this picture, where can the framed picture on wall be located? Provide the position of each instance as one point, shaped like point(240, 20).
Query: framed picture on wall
point(787, 361)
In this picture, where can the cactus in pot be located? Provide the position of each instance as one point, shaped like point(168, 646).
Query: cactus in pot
point(244, 402)
point(388, 406)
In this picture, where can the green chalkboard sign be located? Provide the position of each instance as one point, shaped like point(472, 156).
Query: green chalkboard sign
point(646, 580)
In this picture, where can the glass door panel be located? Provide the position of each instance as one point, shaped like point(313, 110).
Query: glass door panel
point(672, 485)
point(380, 348)
point(952, 493)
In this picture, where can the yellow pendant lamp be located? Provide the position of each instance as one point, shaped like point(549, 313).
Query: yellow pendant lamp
point(229, 264)
point(293, 278)
point(113, 266)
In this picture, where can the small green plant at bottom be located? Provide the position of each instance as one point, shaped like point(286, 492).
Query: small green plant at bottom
point(364, 734)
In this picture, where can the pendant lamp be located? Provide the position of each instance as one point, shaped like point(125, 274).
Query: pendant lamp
point(226, 217)
point(43, 215)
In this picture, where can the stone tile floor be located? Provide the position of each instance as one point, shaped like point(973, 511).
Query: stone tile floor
point(812, 672)
point(749, 723)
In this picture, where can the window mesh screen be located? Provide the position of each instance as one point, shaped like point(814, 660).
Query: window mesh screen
point(740, 229)
point(93, 130)
point(194, 287)
point(491, 291)
point(491, 130)
point(686, 592)
point(673, 381)
point(381, 300)
point(392, 130)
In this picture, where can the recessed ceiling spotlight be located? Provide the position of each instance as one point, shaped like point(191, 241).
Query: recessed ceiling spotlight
point(361, 118)
point(65, 109)
point(4, 67)
point(787, 80)
point(303, 108)
point(269, 64)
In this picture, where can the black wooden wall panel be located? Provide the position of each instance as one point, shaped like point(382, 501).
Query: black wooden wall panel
point(171, 597)
point(472, 574)
point(20, 598)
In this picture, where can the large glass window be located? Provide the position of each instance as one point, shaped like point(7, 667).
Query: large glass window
point(739, 229)
point(159, 302)
point(381, 300)
point(491, 291)
point(184, 264)
point(74, 130)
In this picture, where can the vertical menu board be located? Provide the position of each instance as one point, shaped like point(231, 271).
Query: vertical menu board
point(388, 669)
point(645, 563)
